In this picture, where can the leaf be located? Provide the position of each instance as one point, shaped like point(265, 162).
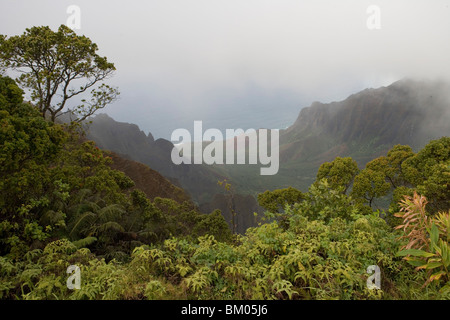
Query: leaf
point(434, 235)
point(436, 276)
point(414, 262)
point(445, 252)
point(415, 253)
point(87, 216)
point(84, 242)
point(433, 265)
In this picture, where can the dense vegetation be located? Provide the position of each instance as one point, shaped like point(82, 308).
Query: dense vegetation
point(61, 204)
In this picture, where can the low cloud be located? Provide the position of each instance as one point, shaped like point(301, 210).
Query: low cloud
point(223, 61)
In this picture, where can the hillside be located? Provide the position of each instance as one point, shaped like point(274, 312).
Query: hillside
point(148, 163)
point(151, 182)
point(127, 139)
point(76, 204)
point(351, 202)
point(363, 126)
point(369, 122)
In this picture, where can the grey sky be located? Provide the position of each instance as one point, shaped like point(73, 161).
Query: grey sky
point(246, 63)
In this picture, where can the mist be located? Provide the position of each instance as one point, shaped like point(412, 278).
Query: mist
point(247, 64)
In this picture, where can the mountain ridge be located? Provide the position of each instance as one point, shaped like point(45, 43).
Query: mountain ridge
point(392, 114)
point(363, 126)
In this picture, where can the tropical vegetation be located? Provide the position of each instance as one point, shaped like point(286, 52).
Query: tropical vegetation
point(62, 205)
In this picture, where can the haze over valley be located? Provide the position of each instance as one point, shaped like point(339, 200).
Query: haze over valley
point(225, 150)
point(247, 64)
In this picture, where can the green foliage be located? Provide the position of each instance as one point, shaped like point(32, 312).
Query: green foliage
point(428, 246)
point(339, 173)
point(213, 224)
point(28, 146)
point(325, 203)
point(429, 172)
point(370, 184)
point(402, 172)
point(230, 193)
point(55, 185)
point(322, 254)
point(58, 66)
point(276, 200)
point(128, 247)
point(62, 205)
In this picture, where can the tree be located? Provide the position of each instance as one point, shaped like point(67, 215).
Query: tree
point(276, 200)
point(370, 184)
point(322, 202)
point(391, 165)
point(395, 157)
point(429, 172)
point(28, 146)
point(339, 173)
point(231, 206)
point(56, 67)
point(99, 220)
point(383, 174)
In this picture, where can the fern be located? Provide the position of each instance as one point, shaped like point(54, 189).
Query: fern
point(155, 290)
point(83, 219)
point(84, 242)
point(284, 286)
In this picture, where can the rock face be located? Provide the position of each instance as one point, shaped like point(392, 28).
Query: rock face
point(198, 181)
point(131, 149)
point(363, 126)
point(370, 122)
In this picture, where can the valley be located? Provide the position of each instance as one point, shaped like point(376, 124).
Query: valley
point(364, 126)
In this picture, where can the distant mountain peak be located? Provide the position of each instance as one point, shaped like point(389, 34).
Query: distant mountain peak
point(409, 111)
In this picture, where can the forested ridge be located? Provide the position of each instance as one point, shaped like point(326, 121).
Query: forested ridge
point(63, 203)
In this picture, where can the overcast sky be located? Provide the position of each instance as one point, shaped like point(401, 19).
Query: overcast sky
point(246, 63)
